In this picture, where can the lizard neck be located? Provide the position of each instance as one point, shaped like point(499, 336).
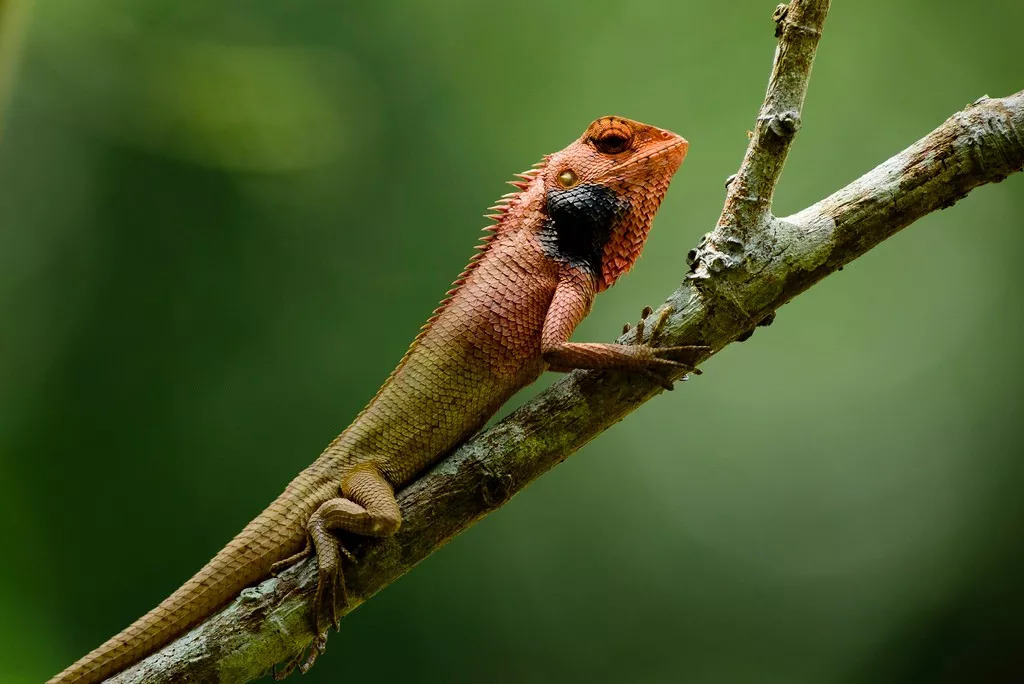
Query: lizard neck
point(480, 345)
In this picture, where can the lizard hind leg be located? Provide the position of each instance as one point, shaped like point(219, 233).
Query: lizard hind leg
point(367, 507)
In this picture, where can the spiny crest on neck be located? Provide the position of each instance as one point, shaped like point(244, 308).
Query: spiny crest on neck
point(511, 200)
point(501, 209)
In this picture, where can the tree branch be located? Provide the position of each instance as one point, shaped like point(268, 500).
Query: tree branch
point(750, 265)
point(749, 198)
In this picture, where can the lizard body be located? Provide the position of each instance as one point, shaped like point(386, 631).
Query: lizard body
point(577, 221)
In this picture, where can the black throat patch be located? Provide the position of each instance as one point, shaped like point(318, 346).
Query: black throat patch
point(579, 223)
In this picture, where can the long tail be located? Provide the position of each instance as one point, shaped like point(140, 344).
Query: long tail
point(274, 535)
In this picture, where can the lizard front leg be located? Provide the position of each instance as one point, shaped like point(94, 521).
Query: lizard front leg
point(573, 298)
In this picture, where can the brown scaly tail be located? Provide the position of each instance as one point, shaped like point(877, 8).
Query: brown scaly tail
point(274, 535)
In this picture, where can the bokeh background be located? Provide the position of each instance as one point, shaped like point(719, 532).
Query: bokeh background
point(222, 222)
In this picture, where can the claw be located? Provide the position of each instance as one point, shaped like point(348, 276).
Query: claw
point(685, 355)
point(318, 646)
point(293, 662)
point(660, 357)
point(671, 364)
point(658, 325)
point(338, 591)
point(330, 591)
point(345, 552)
point(684, 350)
point(282, 565)
point(661, 380)
point(304, 659)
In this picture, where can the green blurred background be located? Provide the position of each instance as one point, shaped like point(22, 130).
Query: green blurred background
point(222, 222)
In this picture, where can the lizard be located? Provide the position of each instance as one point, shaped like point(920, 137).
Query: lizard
point(575, 223)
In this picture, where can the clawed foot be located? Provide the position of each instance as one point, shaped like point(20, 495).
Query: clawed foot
point(303, 660)
point(330, 590)
point(679, 358)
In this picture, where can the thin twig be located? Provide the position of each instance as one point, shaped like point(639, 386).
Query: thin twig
point(749, 197)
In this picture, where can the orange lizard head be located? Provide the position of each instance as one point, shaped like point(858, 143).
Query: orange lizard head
point(601, 193)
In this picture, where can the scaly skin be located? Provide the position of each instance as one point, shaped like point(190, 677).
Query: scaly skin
point(577, 222)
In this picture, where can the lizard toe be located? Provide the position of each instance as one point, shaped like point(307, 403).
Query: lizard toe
point(318, 646)
point(289, 667)
point(282, 565)
point(665, 383)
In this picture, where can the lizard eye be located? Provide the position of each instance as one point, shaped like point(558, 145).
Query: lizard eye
point(612, 142)
point(567, 178)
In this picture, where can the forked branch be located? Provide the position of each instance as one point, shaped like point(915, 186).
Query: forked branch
point(751, 264)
